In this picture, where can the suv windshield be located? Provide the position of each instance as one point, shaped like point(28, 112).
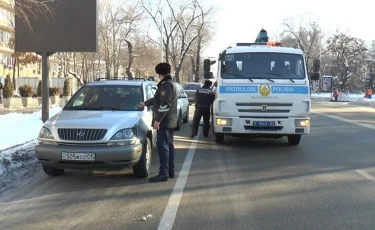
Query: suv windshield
point(263, 66)
point(107, 97)
point(192, 86)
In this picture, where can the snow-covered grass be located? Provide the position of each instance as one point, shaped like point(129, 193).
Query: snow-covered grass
point(18, 128)
point(354, 99)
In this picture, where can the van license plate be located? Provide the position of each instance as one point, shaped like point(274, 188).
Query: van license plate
point(264, 123)
point(78, 156)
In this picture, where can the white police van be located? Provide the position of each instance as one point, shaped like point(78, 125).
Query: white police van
point(262, 91)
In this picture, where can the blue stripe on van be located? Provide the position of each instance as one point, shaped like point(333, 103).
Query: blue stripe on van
point(279, 89)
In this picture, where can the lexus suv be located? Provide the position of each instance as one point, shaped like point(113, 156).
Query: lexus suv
point(101, 126)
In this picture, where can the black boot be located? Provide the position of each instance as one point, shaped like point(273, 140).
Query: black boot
point(159, 178)
point(171, 175)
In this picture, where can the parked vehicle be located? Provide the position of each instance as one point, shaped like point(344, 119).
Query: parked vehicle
point(100, 127)
point(182, 106)
point(190, 89)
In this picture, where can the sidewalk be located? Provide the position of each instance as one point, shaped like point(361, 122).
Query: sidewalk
point(18, 107)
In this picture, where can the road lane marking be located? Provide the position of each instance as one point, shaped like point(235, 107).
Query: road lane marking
point(166, 222)
point(347, 120)
point(366, 175)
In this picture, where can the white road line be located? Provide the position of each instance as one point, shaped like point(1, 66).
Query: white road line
point(347, 120)
point(366, 175)
point(166, 222)
point(361, 172)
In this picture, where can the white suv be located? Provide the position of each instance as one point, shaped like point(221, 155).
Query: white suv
point(100, 127)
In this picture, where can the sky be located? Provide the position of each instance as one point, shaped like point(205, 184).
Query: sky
point(241, 20)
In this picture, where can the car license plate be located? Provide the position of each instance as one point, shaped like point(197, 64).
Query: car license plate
point(78, 156)
point(264, 123)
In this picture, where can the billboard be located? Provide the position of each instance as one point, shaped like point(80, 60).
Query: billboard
point(326, 84)
point(70, 26)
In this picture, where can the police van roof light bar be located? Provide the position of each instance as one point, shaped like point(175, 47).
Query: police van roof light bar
point(260, 43)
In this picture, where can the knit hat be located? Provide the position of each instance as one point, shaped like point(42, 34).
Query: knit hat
point(163, 68)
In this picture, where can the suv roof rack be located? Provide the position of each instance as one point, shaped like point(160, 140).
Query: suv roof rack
point(135, 78)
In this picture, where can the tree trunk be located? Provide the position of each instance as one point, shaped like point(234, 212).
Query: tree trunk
point(130, 63)
point(14, 73)
point(198, 58)
point(193, 68)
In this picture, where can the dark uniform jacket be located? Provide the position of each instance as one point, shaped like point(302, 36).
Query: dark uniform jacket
point(165, 103)
point(204, 97)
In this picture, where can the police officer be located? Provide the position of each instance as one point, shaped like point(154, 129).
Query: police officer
point(165, 121)
point(204, 97)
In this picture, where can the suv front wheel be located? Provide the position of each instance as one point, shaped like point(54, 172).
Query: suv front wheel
point(50, 171)
point(142, 168)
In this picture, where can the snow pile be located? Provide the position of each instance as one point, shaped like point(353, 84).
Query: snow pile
point(18, 128)
point(355, 99)
point(16, 163)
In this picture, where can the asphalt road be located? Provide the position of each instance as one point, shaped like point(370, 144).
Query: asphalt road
point(327, 182)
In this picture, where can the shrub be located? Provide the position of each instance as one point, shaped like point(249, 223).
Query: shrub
point(26, 91)
point(39, 90)
point(54, 91)
point(8, 88)
point(66, 90)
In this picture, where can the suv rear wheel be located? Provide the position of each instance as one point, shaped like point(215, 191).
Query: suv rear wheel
point(50, 171)
point(186, 119)
point(179, 121)
point(142, 168)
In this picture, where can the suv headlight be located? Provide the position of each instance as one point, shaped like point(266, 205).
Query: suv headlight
point(45, 137)
point(124, 137)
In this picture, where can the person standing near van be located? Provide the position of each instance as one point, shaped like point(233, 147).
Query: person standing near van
point(165, 121)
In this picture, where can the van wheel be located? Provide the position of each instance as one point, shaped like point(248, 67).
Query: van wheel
point(219, 138)
point(50, 171)
point(178, 122)
point(186, 119)
point(294, 139)
point(142, 168)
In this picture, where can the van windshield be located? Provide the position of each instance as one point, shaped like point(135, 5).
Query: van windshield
point(263, 66)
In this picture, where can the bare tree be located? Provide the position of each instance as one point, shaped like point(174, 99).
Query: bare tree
point(35, 8)
point(306, 35)
point(204, 37)
point(350, 55)
point(180, 28)
point(116, 25)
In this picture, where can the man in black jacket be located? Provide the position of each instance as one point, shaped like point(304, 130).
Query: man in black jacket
point(165, 120)
point(204, 98)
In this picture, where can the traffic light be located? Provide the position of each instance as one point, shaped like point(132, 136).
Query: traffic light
point(207, 68)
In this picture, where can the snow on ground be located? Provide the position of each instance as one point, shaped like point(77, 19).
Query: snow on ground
point(17, 163)
point(18, 128)
point(354, 99)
